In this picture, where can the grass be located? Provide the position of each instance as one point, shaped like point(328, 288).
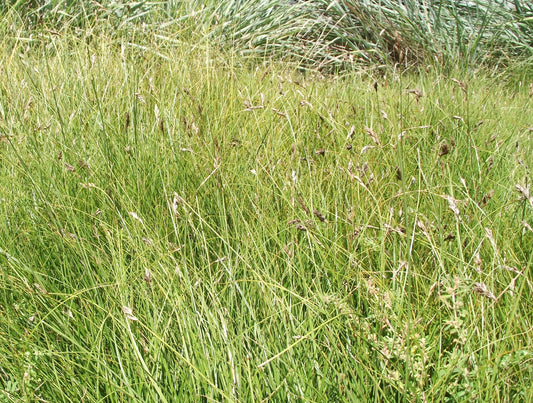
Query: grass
point(339, 34)
point(179, 223)
point(322, 34)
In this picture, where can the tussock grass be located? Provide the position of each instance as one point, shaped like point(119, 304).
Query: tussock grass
point(182, 225)
point(324, 34)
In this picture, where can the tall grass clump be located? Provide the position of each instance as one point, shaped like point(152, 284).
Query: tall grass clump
point(339, 33)
point(447, 32)
point(329, 35)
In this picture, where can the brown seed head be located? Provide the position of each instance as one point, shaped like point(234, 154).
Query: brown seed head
point(444, 149)
point(127, 121)
point(319, 215)
point(482, 289)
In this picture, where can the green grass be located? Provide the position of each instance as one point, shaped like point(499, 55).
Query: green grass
point(324, 34)
point(180, 224)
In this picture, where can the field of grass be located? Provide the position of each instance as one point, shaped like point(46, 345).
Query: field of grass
point(180, 223)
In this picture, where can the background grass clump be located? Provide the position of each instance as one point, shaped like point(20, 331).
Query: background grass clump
point(324, 34)
point(179, 222)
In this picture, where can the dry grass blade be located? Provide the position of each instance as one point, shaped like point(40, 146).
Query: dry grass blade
point(452, 204)
point(525, 193)
point(416, 92)
point(527, 226)
point(372, 134)
point(128, 312)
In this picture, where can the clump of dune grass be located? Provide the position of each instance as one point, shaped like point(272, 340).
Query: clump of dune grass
point(324, 34)
point(341, 34)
